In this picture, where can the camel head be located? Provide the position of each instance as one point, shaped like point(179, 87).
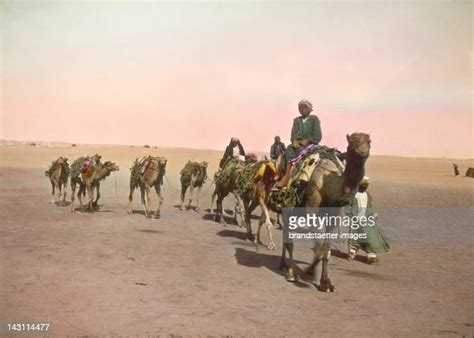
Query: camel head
point(359, 144)
point(110, 166)
point(204, 164)
point(161, 162)
point(61, 160)
point(96, 158)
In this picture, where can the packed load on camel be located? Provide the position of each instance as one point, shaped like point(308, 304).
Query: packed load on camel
point(87, 172)
point(58, 174)
point(146, 173)
point(250, 182)
point(193, 175)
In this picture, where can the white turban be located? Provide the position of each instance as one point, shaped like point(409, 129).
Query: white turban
point(305, 103)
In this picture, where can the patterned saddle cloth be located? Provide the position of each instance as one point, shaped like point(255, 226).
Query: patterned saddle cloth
point(310, 158)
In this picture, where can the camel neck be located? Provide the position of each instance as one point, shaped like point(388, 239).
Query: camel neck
point(353, 172)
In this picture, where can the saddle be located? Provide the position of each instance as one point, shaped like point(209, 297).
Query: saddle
point(312, 157)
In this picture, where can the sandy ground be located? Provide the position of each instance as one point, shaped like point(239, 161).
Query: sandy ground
point(110, 273)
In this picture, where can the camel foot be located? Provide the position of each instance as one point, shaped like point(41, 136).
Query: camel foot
point(198, 210)
point(291, 276)
point(326, 286)
point(372, 258)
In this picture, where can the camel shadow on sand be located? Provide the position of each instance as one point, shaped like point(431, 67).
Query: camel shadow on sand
point(142, 213)
point(97, 209)
point(191, 208)
point(229, 220)
point(254, 259)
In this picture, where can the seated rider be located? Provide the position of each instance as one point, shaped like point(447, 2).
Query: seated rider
point(306, 130)
point(233, 150)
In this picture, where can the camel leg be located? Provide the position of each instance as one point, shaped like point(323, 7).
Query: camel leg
point(291, 275)
point(60, 193)
point(160, 201)
point(53, 193)
point(130, 196)
point(249, 207)
point(198, 208)
point(268, 223)
point(213, 198)
point(218, 217)
point(90, 197)
point(64, 193)
point(321, 255)
point(190, 196)
point(73, 192)
point(239, 209)
point(80, 194)
point(97, 189)
point(144, 200)
point(183, 196)
point(283, 265)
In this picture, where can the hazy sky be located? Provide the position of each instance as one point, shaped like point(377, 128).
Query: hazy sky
point(195, 74)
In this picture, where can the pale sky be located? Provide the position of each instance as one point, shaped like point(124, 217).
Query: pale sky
point(195, 74)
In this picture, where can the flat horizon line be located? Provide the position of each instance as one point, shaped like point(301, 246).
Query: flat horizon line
point(150, 146)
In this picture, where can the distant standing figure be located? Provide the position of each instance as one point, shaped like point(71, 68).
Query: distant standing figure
point(361, 205)
point(456, 169)
point(277, 148)
point(233, 150)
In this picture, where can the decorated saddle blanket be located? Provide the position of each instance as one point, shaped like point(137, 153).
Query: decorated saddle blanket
point(86, 165)
point(311, 157)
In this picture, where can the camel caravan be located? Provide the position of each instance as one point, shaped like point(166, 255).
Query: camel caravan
point(303, 175)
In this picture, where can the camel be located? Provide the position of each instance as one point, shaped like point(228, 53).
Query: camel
point(58, 174)
point(87, 173)
point(251, 183)
point(147, 173)
point(193, 175)
point(327, 189)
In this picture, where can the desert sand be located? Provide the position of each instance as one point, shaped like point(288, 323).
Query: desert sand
point(110, 273)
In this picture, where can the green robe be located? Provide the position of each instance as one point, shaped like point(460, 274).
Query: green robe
point(309, 130)
point(375, 242)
